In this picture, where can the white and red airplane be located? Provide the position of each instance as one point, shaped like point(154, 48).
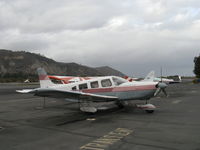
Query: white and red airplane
point(99, 89)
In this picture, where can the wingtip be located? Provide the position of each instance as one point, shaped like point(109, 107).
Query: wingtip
point(24, 91)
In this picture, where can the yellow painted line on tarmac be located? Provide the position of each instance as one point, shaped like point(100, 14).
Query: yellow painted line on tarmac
point(107, 140)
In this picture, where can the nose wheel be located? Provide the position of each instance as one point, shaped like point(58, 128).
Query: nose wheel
point(149, 108)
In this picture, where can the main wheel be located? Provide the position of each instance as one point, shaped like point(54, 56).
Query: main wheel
point(149, 111)
point(120, 105)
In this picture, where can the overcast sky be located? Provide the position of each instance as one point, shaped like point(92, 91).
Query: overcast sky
point(133, 36)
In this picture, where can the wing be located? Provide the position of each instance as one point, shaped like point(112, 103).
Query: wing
point(54, 93)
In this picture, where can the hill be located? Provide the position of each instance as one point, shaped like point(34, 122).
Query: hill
point(21, 64)
point(109, 71)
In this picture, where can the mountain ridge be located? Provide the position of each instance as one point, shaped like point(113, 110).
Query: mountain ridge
point(25, 64)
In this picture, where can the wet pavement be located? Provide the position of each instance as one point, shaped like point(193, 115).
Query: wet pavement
point(26, 125)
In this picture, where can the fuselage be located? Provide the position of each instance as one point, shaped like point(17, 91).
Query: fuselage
point(113, 86)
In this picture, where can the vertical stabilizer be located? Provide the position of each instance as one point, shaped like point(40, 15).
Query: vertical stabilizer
point(150, 76)
point(45, 82)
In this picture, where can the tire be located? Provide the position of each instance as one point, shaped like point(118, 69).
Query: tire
point(149, 111)
point(120, 105)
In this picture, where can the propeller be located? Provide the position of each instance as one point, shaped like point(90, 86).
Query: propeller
point(161, 73)
point(161, 86)
point(157, 91)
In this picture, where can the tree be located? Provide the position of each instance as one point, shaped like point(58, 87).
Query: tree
point(197, 66)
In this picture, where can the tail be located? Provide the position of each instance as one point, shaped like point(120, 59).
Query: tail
point(150, 76)
point(45, 82)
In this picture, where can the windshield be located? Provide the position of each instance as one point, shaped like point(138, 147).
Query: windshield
point(118, 80)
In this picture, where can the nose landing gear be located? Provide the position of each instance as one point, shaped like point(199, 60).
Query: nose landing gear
point(149, 108)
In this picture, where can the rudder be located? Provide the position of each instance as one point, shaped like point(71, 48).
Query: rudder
point(45, 82)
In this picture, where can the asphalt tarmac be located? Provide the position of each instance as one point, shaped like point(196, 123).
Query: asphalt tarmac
point(26, 123)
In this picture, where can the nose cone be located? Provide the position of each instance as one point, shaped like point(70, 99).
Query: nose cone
point(162, 85)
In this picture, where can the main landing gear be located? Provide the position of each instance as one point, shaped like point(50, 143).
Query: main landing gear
point(87, 107)
point(149, 108)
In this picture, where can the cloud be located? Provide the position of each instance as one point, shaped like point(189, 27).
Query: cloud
point(132, 36)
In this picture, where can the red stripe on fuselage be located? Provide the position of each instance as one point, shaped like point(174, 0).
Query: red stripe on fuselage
point(120, 89)
point(99, 90)
point(134, 88)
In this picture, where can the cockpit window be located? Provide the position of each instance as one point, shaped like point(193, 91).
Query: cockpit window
point(118, 81)
point(83, 86)
point(94, 84)
point(74, 88)
point(106, 83)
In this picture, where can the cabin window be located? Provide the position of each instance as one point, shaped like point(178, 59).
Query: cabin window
point(94, 84)
point(83, 86)
point(118, 81)
point(57, 81)
point(74, 88)
point(106, 83)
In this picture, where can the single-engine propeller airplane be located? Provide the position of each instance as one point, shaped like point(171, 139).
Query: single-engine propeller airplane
point(99, 89)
